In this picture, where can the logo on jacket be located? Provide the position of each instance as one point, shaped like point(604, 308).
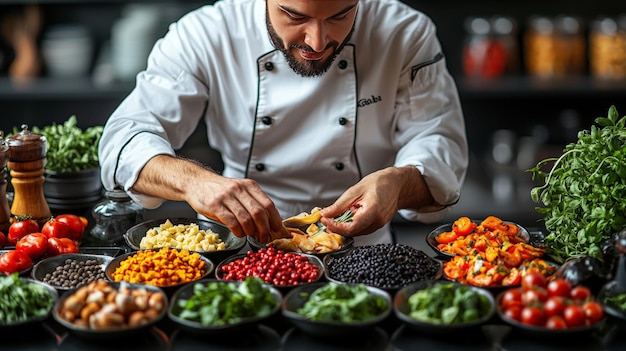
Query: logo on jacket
point(368, 101)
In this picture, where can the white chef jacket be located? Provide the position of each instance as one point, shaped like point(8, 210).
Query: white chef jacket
point(387, 100)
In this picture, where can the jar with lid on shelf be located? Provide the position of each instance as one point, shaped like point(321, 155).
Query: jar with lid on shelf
point(554, 47)
point(505, 32)
point(607, 47)
point(114, 216)
point(483, 56)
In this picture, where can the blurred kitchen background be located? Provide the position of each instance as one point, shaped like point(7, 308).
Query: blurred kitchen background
point(531, 74)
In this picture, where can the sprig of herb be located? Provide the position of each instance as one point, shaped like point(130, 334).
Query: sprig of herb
point(343, 218)
point(583, 193)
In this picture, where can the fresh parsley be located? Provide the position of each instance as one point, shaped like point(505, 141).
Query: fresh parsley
point(583, 193)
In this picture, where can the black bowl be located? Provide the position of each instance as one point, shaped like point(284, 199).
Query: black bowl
point(297, 297)
point(431, 238)
point(50, 264)
point(371, 270)
point(402, 309)
point(348, 243)
point(169, 289)
point(219, 274)
point(197, 328)
point(540, 332)
point(609, 290)
point(110, 333)
point(233, 244)
point(19, 326)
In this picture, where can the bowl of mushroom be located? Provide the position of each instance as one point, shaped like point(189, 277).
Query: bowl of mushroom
point(105, 309)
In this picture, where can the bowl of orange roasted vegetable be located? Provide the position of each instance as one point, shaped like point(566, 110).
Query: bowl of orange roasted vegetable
point(491, 253)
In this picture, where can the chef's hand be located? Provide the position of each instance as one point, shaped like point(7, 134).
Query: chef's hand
point(375, 200)
point(239, 204)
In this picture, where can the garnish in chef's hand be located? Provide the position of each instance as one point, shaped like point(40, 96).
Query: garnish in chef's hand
point(584, 191)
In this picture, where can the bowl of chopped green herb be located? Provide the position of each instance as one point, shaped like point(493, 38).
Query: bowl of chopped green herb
point(330, 309)
point(24, 301)
point(211, 306)
point(613, 300)
point(438, 306)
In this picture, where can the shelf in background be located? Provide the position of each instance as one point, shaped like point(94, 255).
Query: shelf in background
point(68, 88)
point(527, 87)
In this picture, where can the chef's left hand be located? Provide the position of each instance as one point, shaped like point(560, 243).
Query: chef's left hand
point(375, 200)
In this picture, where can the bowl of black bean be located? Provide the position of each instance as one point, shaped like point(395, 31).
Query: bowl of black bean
point(386, 266)
point(70, 271)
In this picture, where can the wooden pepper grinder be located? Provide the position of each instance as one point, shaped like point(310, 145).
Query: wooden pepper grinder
point(27, 159)
point(5, 212)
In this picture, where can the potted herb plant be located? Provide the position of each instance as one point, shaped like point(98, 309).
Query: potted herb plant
point(72, 170)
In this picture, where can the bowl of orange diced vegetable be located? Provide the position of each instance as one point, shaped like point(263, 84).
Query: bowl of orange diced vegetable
point(491, 253)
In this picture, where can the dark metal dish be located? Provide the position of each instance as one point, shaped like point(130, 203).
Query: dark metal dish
point(21, 325)
point(609, 290)
point(110, 333)
point(348, 243)
point(402, 309)
point(194, 327)
point(368, 270)
point(219, 273)
point(543, 332)
point(170, 289)
point(48, 265)
point(297, 297)
point(233, 244)
point(431, 238)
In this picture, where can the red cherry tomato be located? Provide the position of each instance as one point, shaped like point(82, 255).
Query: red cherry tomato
point(56, 229)
point(14, 261)
point(58, 246)
point(559, 287)
point(3, 240)
point(593, 311)
point(512, 298)
point(556, 322)
point(21, 228)
point(534, 295)
point(34, 245)
point(513, 312)
point(554, 306)
point(574, 316)
point(580, 293)
point(533, 315)
point(75, 223)
point(534, 279)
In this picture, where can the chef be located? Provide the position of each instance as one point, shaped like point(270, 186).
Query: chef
point(339, 104)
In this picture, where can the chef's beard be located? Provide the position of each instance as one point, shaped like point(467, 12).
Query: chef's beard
point(307, 68)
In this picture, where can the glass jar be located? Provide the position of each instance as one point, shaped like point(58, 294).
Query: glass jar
point(505, 33)
point(540, 49)
point(114, 216)
point(607, 48)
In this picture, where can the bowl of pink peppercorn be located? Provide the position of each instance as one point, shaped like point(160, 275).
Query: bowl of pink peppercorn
point(281, 269)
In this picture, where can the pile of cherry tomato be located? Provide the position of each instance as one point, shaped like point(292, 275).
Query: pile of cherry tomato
point(552, 304)
point(61, 234)
point(273, 266)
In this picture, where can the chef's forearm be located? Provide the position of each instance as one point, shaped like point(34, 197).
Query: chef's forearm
point(414, 193)
point(169, 177)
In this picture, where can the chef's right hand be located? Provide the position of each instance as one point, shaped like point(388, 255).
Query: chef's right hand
point(239, 204)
